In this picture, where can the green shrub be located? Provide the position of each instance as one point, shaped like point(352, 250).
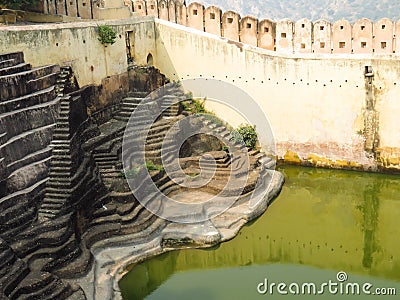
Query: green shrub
point(193, 105)
point(152, 167)
point(246, 134)
point(198, 106)
point(106, 34)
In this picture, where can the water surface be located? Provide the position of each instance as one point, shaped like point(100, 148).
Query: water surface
point(323, 222)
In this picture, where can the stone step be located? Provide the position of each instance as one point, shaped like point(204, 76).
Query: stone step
point(22, 67)
point(3, 137)
point(60, 169)
point(60, 191)
point(61, 155)
point(41, 82)
point(60, 143)
point(51, 200)
point(35, 281)
point(106, 163)
point(31, 158)
point(59, 178)
point(17, 89)
point(100, 155)
point(60, 150)
point(58, 185)
point(158, 145)
point(64, 113)
point(38, 97)
point(110, 173)
point(15, 274)
point(135, 100)
point(59, 130)
point(130, 103)
point(57, 290)
point(138, 94)
point(60, 137)
point(59, 195)
point(8, 63)
point(62, 124)
point(7, 257)
point(60, 163)
point(111, 158)
point(46, 206)
point(46, 215)
point(18, 57)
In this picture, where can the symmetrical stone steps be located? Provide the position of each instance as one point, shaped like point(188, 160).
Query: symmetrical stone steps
point(22, 67)
point(40, 155)
point(27, 142)
point(14, 85)
point(11, 59)
point(28, 110)
point(25, 101)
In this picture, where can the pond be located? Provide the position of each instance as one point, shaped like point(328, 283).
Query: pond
point(323, 222)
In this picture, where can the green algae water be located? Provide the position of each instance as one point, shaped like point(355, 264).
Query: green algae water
point(323, 222)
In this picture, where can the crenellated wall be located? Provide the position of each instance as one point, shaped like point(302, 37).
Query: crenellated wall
point(92, 9)
point(283, 36)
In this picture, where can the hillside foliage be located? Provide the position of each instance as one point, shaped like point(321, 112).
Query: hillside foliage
point(17, 4)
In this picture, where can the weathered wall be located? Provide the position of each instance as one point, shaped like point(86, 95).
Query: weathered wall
point(323, 110)
point(317, 106)
point(77, 45)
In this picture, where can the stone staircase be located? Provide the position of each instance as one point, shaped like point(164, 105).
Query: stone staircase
point(129, 105)
point(58, 187)
point(28, 111)
point(168, 109)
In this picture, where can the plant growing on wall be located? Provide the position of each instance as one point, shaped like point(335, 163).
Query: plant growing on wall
point(107, 35)
point(246, 134)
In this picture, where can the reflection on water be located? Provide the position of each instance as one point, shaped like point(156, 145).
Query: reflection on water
point(324, 221)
